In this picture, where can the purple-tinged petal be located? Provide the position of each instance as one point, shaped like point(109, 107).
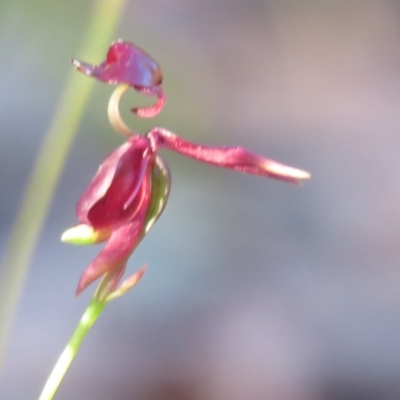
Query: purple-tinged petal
point(121, 201)
point(100, 183)
point(110, 199)
point(121, 243)
point(153, 110)
point(125, 63)
point(236, 158)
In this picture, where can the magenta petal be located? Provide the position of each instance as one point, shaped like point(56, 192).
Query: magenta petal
point(236, 158)
point(153, 110)
point(110, 199)
point(120, 245)
point(121, 200)
point(125, 63)
point(100, 183)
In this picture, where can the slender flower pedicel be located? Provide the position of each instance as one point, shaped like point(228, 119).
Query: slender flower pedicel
point(130, 190)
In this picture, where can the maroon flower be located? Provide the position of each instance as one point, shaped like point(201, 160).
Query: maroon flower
point(131, 187)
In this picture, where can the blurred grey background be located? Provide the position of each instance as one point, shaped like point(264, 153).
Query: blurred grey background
point(256, 289)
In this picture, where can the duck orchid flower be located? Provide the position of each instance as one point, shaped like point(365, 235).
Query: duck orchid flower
point(131, 187)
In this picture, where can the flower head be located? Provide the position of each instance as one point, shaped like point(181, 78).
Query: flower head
point(131, 187)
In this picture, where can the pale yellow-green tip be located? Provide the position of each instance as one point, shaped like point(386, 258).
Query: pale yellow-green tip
point(84, 234)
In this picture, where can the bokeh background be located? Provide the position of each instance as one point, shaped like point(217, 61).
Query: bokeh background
point(255, 289)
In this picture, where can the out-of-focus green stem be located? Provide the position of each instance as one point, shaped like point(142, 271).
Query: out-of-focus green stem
point(49, 165)
point(90, 316)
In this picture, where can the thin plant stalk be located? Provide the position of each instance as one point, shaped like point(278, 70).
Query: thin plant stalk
point(49, 164)
point(89, 317)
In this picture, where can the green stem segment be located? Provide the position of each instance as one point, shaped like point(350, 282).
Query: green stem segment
point(90, 316)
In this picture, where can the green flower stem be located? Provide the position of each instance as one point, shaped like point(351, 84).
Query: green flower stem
point(49, 165)
point(89, 317)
